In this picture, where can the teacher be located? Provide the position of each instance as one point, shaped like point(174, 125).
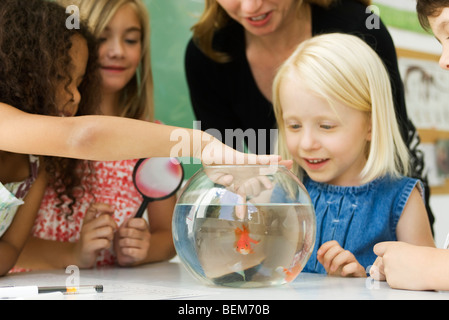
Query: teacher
point(238, 45)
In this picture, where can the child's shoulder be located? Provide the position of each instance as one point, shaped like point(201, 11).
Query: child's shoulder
point(386, 184)
point(400, 182)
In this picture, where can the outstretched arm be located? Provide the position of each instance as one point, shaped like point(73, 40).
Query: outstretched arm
point(111, 138)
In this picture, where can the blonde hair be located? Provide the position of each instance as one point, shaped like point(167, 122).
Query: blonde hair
point(344, 68)
point(214, 18)
point(136, 98)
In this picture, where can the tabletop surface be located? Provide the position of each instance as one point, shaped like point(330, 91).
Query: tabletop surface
point(170, 280)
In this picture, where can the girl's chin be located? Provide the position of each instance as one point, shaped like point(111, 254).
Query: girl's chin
point(317, 177)
point(112, 87)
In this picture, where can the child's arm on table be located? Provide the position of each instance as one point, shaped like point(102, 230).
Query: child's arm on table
point(414, 229)
point(411, 267)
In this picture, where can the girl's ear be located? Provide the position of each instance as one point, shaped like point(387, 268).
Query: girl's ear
point(370, 127)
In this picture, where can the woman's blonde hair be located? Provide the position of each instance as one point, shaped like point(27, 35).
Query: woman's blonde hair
point(136, 98)
point(343, 68)
point(214, 18)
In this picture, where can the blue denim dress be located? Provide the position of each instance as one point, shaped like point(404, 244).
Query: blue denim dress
point(358, 217)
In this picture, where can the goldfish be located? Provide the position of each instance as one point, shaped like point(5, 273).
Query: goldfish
point(243, 242)
point(290, 274)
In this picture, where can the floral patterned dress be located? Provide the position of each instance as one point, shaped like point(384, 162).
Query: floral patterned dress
point(112, 184)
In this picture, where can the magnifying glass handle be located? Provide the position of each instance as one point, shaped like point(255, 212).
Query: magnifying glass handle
point(142, 208)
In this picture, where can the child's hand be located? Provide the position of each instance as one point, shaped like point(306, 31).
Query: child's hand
point(406, 266)
point(214, 152)
point(97, 233)
point(132, 242)
point(338, 261)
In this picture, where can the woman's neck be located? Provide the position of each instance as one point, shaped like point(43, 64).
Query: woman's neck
point(266, 53)
point(294, 30)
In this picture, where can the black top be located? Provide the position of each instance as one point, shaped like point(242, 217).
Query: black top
point(226, 96)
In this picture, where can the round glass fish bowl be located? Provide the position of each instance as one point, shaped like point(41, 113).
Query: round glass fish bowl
point(244, 226)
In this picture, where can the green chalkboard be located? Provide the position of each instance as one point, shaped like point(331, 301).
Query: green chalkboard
point(171, 21)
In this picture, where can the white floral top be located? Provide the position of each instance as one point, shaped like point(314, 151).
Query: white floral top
point(12, 194)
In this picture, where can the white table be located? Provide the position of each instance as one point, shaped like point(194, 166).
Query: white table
point(170, 280)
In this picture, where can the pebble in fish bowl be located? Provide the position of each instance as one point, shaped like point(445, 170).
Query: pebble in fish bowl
point(257, 230)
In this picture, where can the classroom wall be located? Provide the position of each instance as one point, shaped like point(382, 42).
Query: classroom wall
point(170, 31)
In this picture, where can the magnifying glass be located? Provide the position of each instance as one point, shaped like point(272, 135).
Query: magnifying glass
point(157, 179)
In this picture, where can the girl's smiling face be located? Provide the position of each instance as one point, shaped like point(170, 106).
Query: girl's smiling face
point(67, 96)
point(120, 49)
point(329, 143)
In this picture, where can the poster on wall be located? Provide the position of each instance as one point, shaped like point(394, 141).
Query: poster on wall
point(426, 86)
point(426, 92)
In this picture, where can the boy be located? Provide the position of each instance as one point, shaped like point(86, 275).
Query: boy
point(402, 265)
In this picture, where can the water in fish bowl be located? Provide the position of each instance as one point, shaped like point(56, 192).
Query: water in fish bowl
point(226, 241)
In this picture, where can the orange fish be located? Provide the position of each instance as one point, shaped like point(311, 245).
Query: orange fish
point(290, 274)
point(243, 242)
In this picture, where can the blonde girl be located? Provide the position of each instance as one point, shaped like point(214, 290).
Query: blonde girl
point(334, 108)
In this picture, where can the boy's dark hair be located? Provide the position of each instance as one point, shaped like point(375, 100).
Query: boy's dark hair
point(34, 58)
point(429, 8)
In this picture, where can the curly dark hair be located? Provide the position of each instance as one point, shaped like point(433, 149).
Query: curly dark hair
point(34, 58)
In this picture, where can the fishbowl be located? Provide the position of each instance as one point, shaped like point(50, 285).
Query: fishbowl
point(244, 226)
